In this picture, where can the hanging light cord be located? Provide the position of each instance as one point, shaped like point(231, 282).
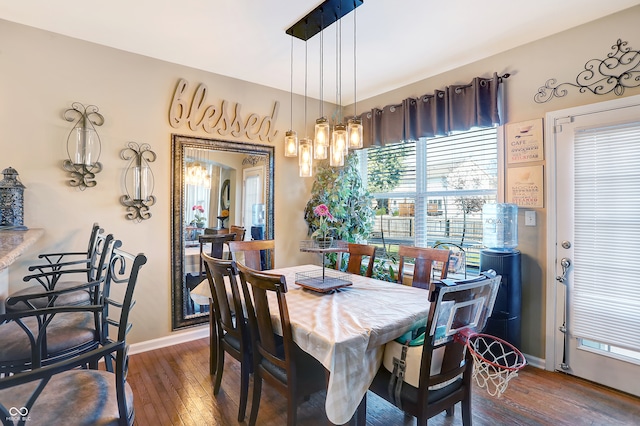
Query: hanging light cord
point(321, 67)
point(305, 89)
point(291, 87)
point(355, 102)
point(339, 69)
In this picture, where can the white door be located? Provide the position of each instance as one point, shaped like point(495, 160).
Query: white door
point(253, 193)
point(594, 243)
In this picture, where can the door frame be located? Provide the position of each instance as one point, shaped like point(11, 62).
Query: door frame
point(554, 297)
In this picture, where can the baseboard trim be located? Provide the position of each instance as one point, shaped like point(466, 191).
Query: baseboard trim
point(173, 339)
point(535, 361)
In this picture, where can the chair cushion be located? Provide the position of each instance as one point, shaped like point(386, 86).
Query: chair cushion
point(410, 393)
point(74, 298)
point(309, 370)
point(75, 397)
point(66, 331)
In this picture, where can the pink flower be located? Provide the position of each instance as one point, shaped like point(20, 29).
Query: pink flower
point(323, 211)
point(198, 208)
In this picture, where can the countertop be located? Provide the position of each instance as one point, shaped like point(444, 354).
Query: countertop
point(14, 243)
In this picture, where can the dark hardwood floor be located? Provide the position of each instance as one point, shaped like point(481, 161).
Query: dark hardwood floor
point(172, 386)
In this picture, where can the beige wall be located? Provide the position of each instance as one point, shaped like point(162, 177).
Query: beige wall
point(561, 56)
point(43, 73)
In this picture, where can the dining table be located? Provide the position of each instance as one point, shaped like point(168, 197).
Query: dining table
point(347, 329)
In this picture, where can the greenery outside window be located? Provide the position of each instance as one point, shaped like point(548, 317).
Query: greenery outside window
point(431, 191)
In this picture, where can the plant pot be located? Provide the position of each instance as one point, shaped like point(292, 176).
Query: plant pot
point(324, 242)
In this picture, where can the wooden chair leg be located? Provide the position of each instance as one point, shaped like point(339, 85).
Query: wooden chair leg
point(255, 400)
point(244, 390)
point(213, 340)
point(292, 408)
point(466, 411)
point(449, 411)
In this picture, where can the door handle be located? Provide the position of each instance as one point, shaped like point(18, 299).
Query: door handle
point(565, 263)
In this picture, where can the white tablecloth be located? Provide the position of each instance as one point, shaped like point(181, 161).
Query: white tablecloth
point(346, 330)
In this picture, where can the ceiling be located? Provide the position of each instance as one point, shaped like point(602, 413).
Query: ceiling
point(397, 42)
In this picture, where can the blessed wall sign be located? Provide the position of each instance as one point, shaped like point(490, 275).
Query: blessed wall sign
point(223, 119)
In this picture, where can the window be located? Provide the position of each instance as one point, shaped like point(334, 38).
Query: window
point(432, 191)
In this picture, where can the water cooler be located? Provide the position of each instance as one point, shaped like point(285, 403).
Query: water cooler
point(500, 237)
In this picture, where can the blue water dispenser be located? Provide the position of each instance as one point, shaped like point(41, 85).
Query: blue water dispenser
point(500, 238)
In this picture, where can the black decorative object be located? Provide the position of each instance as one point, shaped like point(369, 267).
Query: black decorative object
point(83, 145)
point(139, 181)
point(11, 201)
point(321, 17)
point(618, 71)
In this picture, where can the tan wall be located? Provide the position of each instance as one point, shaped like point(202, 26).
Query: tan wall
point(43, 73)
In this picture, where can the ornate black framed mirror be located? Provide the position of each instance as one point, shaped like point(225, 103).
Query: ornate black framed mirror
point(215, 184)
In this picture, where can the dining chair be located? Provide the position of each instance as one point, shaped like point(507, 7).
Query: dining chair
point(69, 331)
point(67, 276)
point(58, 273)
point(356, 254)
point(65, 392)
point(446, 366)
point(256, 254)
point(62, 259)
point(240, 232)
point(423, 263)
point(277, 359)
point(229, 331)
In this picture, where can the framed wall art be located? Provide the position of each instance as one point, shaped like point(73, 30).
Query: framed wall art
point(525, 141)
point(525, 186)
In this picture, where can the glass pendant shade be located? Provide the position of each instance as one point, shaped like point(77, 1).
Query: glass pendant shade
point(338, 145)
point(354, 131)
point(322, 139)
point(291, 144)
point(322, 131)
point(320, 151)
point(305, 159)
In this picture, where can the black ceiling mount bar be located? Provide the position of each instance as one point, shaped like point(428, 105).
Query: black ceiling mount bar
point(321, 17)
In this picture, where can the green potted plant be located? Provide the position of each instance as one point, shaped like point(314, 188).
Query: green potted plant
point(340, 189)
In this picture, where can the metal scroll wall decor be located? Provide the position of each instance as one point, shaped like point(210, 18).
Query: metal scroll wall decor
point(139, 181)
point(83, 145)
point(252, 160)
point(618, 71)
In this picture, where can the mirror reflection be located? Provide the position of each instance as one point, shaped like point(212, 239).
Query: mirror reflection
point(221, 190)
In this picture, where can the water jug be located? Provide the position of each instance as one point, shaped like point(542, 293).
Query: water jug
point(500, 226)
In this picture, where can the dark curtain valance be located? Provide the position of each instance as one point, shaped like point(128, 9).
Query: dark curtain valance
point(454, 109)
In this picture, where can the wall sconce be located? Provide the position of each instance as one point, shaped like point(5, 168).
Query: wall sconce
point(139, 181)
point(11, 201)
point(83, 145)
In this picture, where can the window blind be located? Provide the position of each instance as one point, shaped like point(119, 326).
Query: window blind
point(607, 233)
point(440, 182)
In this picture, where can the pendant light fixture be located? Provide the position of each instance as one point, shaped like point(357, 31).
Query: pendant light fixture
point(291, 137)
point(336, 142)
point(305, 161)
